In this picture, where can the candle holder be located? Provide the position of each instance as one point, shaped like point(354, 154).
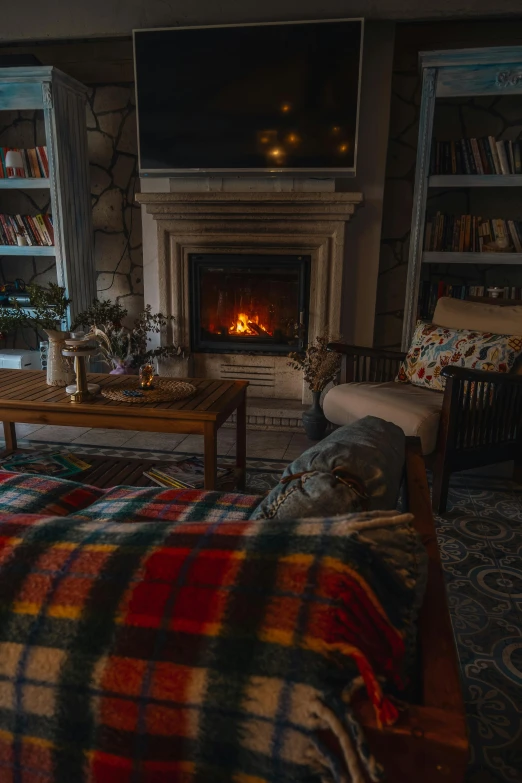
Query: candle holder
point(147, 376)
point(81, 391)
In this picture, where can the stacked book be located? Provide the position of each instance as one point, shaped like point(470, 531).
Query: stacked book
point(471, 234)
point(35, 229)
point(35, 162)
point(476, 156)
point(185, 473)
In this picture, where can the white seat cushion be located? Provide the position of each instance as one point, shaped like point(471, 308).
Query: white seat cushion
point(416, 411)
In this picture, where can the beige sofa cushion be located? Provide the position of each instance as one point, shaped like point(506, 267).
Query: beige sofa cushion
point(478, 316)
point(416, 411)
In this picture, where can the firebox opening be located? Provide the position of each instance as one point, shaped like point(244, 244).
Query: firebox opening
point(248, 302)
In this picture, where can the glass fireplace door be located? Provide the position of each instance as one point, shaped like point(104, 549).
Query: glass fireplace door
point(249, 303)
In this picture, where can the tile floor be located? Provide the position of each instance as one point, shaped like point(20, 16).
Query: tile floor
point(263, 445)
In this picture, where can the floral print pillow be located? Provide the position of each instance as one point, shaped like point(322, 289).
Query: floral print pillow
point(434, 347)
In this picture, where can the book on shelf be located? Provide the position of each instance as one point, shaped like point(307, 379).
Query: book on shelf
point(185, 473)
point(485, 155)
point(37, 230)
point(35, 163)
point(432, 291)
point(471, 234)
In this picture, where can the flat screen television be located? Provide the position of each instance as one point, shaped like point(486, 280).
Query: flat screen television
point(260, 98)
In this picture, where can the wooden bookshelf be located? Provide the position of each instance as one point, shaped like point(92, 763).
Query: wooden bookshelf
point(457, 73)
point(25, 183)
point(27, 250)
point(61, 102)
point(447, 257)
point(475, 181)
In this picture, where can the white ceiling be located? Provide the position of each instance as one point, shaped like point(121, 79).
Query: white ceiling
point(54, 19)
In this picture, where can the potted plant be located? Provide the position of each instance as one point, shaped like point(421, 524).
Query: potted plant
point(125, 348)
point(11, 319)
point(48, 313)
point(319, 368)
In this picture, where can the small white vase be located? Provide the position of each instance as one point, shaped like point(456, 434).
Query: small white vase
point(59, 369)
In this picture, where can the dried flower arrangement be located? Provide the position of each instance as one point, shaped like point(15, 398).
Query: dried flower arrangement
point(319, 366)
point(125, 348)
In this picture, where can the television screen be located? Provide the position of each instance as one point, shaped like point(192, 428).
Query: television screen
point(268, 97)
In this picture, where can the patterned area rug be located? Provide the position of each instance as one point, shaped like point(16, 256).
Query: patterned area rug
point(480, 540)
point(262, 474)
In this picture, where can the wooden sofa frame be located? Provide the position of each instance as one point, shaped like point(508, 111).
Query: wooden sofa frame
point(429, 742)
point(481, 417)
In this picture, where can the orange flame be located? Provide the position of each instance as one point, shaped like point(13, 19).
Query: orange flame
point(245, 325)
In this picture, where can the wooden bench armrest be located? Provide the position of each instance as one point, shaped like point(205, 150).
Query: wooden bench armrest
point(361, 364)
point(359, 350)
point(482, 376)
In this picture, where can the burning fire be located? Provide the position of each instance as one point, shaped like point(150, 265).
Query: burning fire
point(244, 325)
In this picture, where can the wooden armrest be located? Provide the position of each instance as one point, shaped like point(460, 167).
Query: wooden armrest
point(465, 374)
point(359, 350)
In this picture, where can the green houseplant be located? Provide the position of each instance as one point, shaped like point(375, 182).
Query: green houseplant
point(125, 348)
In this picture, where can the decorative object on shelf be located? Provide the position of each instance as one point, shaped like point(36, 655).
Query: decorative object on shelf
point(14, 164)
point(147, 376)
point(320, 367)
point(165, 390)
point(495, 291)
point(126, 348)
point(79, 350)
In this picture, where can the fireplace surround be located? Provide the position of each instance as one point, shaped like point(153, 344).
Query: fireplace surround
point(177, 227)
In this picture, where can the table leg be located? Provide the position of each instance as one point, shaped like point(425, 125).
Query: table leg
point(10, 436)
point(210, 445)
point(241, 419)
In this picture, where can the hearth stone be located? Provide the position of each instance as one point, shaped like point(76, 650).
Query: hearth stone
point(272, 415)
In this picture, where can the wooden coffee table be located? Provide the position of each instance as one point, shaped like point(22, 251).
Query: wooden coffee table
point(26, 398)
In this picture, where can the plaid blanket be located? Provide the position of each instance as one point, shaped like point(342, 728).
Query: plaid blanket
point(59, 497)
point(199, 652)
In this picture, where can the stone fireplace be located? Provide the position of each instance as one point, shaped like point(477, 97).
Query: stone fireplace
point(248, 277)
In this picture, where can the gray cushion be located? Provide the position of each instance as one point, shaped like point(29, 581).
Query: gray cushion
point(372, 450)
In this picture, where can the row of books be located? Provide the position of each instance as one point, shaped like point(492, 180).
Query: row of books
point(35, 162)
point(185, 473)
point(431, 292)
point(35, 229)
point(476, 156)
point(472, 234)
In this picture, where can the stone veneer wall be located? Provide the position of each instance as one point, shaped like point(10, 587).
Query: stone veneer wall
point(501, 117)
point(113, 155)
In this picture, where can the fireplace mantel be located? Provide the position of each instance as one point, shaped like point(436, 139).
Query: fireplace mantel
point(176, 225)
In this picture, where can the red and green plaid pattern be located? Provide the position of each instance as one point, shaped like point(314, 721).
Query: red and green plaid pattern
point(42, 495)
point(197, 652)
point(58, 497)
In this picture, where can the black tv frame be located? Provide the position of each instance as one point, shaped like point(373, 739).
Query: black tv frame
point(331, 172)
